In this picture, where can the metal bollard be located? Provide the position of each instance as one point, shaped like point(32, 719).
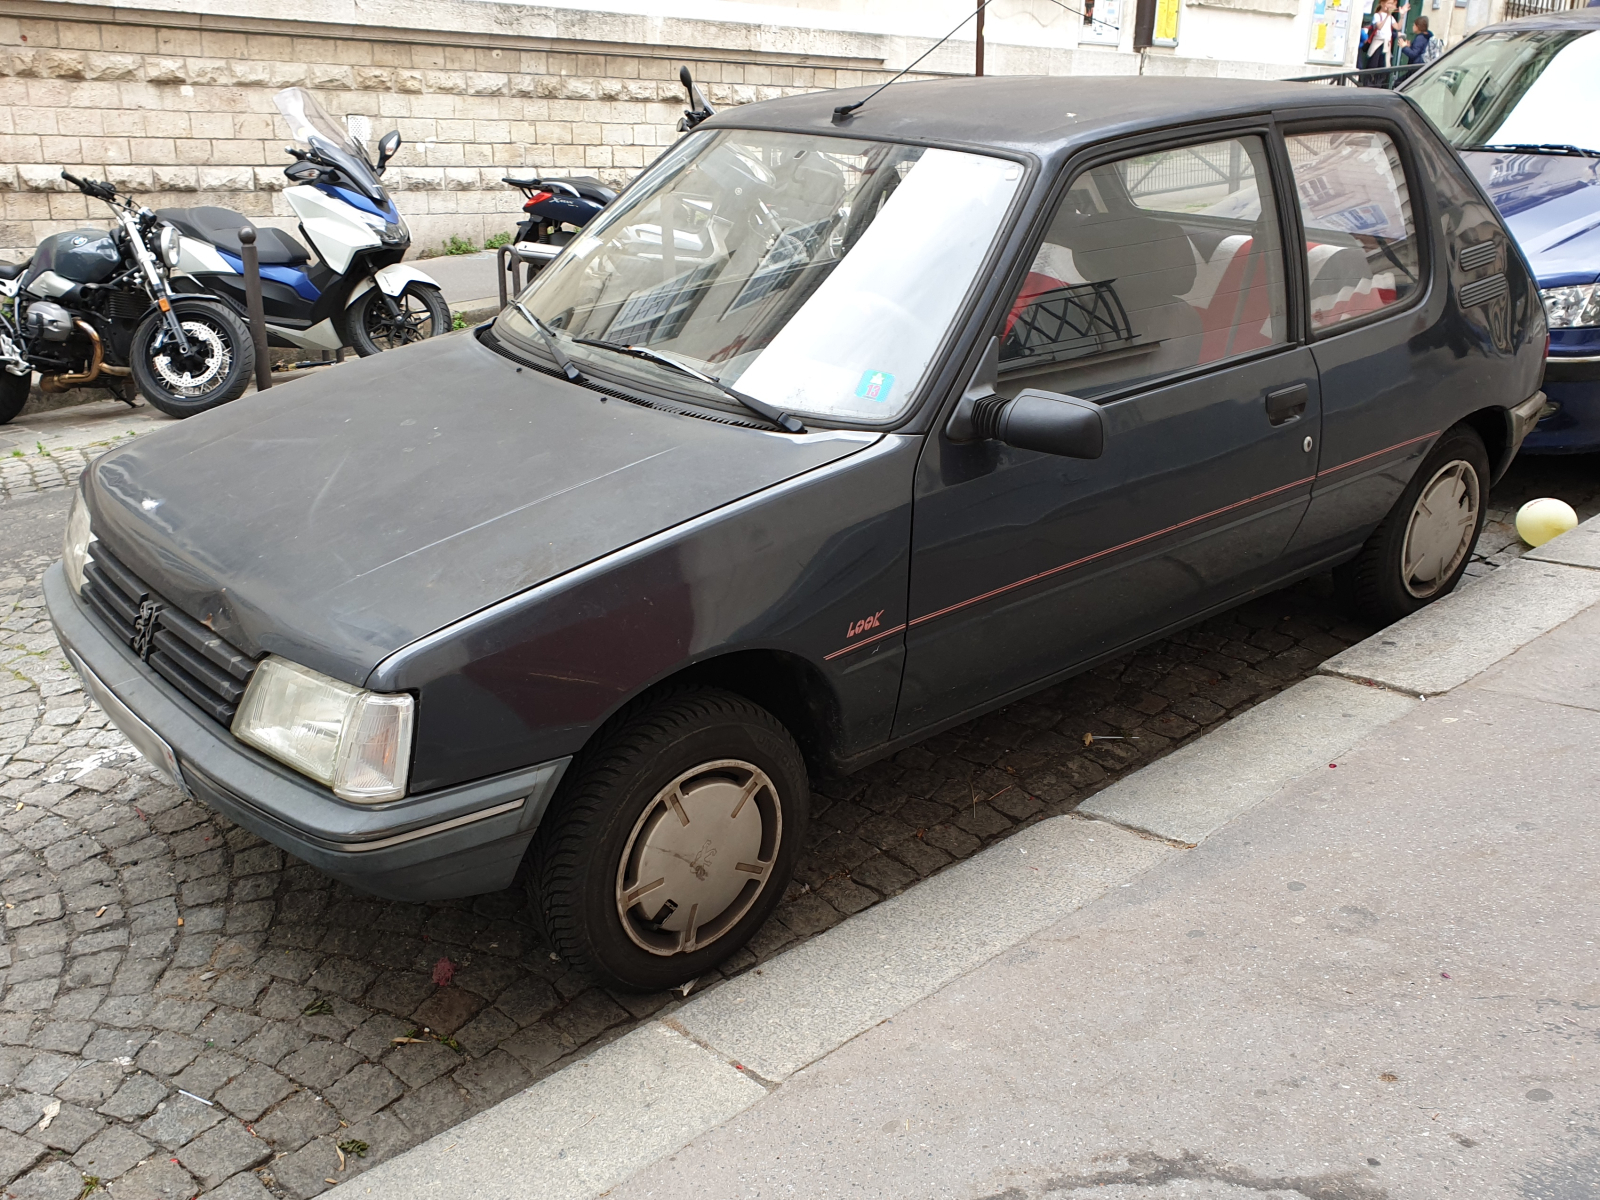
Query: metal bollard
point(253, 305)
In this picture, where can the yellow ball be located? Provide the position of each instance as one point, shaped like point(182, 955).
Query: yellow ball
point(1540, 520)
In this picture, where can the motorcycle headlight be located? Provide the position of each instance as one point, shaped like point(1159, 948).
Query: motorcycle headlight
point(356, 742)
point(75, 542)
point(1570, 307)
point(167, 245)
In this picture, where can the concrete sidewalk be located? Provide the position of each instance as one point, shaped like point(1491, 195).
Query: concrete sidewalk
point(1340, 949)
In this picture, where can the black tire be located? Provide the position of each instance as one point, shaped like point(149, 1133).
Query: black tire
point(13, 393)
point(222, 362)
point(370, 329)
point(703, 744)
point(1392, 577)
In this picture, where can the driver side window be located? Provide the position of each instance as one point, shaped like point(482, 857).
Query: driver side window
point(1151, 265)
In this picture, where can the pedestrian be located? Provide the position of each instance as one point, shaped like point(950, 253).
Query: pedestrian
point(1424, 47)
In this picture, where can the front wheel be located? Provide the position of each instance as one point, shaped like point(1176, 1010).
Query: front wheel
point(1420, 550)
point(217, 368)
point(671, 840)
point(13, 393)
point(419, 312)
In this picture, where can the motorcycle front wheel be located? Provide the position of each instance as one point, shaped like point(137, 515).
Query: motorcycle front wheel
point(370, 327)
point(217, 368)
point(13, 393)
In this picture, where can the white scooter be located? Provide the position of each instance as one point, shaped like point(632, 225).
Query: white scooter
point(358, 293)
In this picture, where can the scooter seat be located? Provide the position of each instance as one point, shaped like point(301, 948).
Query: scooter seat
point(589, 188)
point(220, 227)
point(9, 271)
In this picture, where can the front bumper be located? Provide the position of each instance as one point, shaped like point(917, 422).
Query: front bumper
point(459, 841)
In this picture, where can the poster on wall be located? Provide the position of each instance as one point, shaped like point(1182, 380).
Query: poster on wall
point(1330, 31)
point(1166, 29)
point(1102, 23)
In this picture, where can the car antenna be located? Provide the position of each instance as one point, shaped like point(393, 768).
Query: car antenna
point(845, 111)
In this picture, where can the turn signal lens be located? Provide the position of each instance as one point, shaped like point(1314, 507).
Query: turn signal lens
point(75, 542)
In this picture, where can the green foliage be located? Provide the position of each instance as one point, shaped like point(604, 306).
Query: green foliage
point(318, 1008)
point(355, 1146)
point(459, 245)
point(495, 240)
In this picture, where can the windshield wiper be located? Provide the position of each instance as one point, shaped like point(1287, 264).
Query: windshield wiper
point(760, 407)
point(568, 367)
point(1539, 148)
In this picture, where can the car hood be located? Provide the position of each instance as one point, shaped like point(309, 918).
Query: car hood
point(349, 514)
point(1552, 204)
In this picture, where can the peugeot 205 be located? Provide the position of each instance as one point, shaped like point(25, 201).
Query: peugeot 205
point(843, 424)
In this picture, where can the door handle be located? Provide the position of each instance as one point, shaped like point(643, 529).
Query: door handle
point(1286, 404)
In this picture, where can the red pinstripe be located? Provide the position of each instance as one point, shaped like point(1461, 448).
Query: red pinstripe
point(1078, 562)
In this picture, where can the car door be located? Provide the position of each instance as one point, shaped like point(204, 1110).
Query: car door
point(1158, 291)
point(1387, 365)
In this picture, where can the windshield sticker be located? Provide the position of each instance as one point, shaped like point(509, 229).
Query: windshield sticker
point(875, 385)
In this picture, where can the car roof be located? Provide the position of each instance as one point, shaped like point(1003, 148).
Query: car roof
point(1572, 18)
point(1044, 115)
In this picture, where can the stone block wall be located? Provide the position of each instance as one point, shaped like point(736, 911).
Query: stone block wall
point(177, 109)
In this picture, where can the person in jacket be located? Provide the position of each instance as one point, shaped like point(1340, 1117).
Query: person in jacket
point(1422, 48)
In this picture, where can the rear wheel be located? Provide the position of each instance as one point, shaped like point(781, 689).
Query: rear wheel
point(216, 369)
point(419, 312)
point(671, 841)
point(1420, 550)
point(13, 393)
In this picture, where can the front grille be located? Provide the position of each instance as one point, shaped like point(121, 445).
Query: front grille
point(201, 665)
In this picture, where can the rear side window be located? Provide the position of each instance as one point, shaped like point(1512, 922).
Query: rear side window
point(1152, 264)
point(1361, 243)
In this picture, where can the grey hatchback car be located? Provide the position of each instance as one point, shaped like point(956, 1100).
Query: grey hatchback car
point(842, 425)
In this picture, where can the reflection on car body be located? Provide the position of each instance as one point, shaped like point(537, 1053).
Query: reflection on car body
point(833, 431)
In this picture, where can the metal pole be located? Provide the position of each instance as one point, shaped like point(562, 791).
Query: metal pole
point(253, 306)
point(981, 4)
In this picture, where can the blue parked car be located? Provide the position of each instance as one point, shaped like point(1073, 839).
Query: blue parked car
point(1520, 102)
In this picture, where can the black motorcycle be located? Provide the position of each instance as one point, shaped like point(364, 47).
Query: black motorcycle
point(93, 308)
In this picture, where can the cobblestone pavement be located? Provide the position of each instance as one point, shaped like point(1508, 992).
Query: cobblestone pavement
point(188, 1011)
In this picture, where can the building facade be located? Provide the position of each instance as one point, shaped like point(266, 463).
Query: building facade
point(175, 104)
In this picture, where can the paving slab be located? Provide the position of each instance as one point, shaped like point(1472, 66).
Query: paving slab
point(1379, 985)
point(1444, 645)
point(808, 1002)
point(1199, 788)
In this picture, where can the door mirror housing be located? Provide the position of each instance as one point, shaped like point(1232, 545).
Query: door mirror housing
point(1049, 423)
point(387, 148)
point(1033, 420)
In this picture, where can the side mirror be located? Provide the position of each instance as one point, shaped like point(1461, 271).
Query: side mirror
point(699, 107)
point(387, 148)
point(1033, 420)
point(1051, 424)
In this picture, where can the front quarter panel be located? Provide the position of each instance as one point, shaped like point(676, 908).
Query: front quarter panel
point(808, 568)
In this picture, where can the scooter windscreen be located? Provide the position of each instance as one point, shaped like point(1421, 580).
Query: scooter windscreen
point(329, 140)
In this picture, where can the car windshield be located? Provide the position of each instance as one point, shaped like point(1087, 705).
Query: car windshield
point(311, 125)
point(1527, 89)
point(816, 274)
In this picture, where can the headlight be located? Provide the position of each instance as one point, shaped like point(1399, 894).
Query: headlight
point(1567, 307)
point(355, 741)
point(75, 543)
point(167, 243)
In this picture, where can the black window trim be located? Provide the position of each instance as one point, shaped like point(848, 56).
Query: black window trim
point(1422, 216)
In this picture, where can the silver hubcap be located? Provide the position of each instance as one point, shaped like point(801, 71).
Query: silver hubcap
point(700, 854)
point(1440, 533)
point(203, 369)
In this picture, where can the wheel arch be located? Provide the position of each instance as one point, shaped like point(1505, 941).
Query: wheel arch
point(788, 686)
point(1494, 426)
